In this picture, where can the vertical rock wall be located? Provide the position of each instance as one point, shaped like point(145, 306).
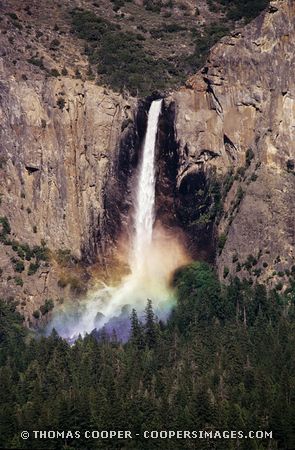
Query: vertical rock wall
point(235, 122)
point(59, 144)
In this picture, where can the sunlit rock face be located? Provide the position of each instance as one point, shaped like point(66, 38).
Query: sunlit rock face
point(244, 98)
point(60, 140)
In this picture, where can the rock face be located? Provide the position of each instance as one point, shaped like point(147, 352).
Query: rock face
point(59, 141)
point(235, 122)
point(58, 158)
point(68, 150)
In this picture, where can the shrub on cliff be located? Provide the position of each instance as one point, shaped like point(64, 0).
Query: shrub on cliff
point(19, 266)
point(239, 9)
point(47, 306)
point(61, 103)
point(5, 228)
point(121, 59)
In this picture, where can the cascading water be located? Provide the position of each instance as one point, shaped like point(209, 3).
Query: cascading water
point(145, 200)
point(153, 256)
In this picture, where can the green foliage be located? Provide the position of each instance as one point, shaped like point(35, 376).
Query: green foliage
point(11, 331)
point(5, 228)
point(153, 5)
point(13, 16)
point(241, 171)
point(250, 262)
point(54, 43)
point(239, 9)
point(249, 156)
point(3, 162)
point(212, 33)
point(254, 177)
point(201, 204)
point(240, 195)
point(117, 4)
point(36, 314)
point(48, 306)
point(198, 293)
point(225, 272)
point(137, 333)
point(172, 27)
point(121, 58)
point(19, 266)
point(61, 103)
point(41, 252)
point(65, 258)
point(23, 251)
point(257, 272)
point(224, 361)
point(54, 73)
point(222, 240)
point(33, 267)
point(228, 182)
point(150, 326)
point(125, 60)
point(36, 62)
point(18, 281)
point(89, 26)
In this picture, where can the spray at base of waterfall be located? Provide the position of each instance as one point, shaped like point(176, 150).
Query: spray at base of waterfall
point(110, 306)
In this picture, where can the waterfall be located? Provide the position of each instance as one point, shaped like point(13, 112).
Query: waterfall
point(145, 198)
point(154, 255)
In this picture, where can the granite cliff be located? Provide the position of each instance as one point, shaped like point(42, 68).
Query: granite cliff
point(55, 164)
point(69, 149)
point(60, 143)
point(234, 122)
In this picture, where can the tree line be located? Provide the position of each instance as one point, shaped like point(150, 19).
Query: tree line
point(223, 361)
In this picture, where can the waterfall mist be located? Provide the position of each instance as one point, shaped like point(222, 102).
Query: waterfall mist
point(153, 256)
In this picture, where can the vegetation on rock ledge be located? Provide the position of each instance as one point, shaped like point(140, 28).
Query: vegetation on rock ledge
point(127, 60)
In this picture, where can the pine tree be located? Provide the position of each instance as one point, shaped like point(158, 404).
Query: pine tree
point(150, 325)
point(137, 337)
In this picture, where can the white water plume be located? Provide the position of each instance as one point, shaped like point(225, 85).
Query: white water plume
point(152, 259)
point(145, 201)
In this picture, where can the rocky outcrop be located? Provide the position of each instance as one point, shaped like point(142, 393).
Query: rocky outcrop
point(59, 142)
point(235, 123)
point(58, 139)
